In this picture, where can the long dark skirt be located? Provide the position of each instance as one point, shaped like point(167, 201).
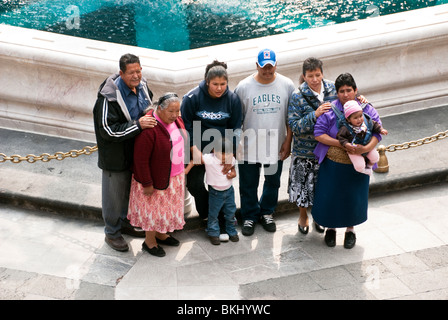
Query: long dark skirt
point(341, 195)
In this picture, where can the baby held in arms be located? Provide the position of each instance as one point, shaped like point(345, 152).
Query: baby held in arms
point(358, 129)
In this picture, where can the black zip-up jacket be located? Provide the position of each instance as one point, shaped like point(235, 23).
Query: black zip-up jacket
point(114, 129)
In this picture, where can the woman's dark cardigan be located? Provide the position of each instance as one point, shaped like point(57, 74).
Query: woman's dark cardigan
point(152, 155)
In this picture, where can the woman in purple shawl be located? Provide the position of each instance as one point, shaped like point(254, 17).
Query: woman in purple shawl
point(341, 195)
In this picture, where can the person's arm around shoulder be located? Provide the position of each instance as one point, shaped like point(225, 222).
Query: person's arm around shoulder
point(111, 125)
point(302, 117)
point(109, 121)
point(147, 122)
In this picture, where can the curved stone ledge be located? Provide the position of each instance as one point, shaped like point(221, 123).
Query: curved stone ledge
point(49, 81)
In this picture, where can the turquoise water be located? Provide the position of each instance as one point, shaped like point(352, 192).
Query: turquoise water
point(187, 24)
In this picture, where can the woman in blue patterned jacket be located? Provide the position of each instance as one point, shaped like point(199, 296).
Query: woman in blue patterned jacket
point(307, 103)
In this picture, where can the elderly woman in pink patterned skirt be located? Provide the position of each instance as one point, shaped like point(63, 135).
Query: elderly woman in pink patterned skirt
point(156, 201)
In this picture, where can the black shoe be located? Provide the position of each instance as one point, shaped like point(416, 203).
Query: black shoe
point(118, 244)
point(304, 230)
point(330, 237)
point(349, 240)
point(319, 228)
point(248, 227)
point(156, 251)
point(170, 241)
point(267, 221)
point(133, 231)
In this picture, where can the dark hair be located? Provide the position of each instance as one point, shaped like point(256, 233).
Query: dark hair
point(126, 59)
point(345, 79)
point(215, 69)
point(311, 64)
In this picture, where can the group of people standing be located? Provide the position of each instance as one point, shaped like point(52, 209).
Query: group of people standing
point(150, 150)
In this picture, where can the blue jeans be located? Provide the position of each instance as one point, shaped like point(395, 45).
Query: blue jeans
point(223, 201)
point(249, 175)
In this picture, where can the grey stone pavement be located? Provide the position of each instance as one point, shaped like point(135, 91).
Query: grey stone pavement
point(52, 240)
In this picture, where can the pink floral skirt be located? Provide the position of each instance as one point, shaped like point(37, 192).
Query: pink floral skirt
point(163, 211)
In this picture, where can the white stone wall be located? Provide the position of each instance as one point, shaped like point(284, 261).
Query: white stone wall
point(49, 81)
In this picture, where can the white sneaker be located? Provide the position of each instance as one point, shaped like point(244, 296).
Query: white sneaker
point(224, 237)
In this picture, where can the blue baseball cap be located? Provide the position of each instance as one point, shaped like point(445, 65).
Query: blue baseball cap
point(266, 56)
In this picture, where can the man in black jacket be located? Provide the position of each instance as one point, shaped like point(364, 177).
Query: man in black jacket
point(119, 117)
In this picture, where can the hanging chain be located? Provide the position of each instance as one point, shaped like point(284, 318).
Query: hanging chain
point(45, 157)
point(417, 143)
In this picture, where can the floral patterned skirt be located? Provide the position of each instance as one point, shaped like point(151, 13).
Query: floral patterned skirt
point(163, 211)
point(302, 180)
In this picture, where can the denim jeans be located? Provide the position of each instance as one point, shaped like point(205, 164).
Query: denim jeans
point(249, 175)
point(223, 201)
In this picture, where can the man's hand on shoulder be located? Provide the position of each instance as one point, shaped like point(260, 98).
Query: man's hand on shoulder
point(147, 122)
